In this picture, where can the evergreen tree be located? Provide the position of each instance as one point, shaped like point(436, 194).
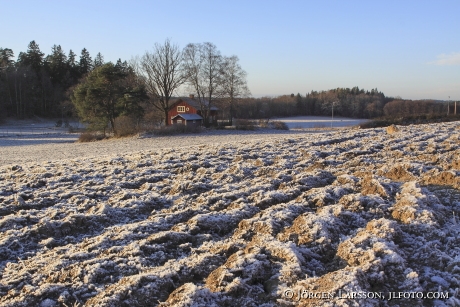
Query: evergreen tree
point(32, 97)
point(299, 103)
point(6, 58)
point(99, 60)
point(86, 63)
point(106, 94)
point(6, 94)
point(72, 67)
point(123, 66)
point(57, 65)
point(33, 57)
point(72, 59)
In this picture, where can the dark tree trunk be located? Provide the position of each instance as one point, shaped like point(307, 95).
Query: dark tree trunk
point(166, 117)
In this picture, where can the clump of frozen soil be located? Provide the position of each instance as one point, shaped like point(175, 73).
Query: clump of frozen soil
point(238, 224)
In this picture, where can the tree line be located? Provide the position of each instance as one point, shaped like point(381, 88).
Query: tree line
point(59, 85)
point(347, 102)
point(353, 102)
point(38, 84)
point(101, 91)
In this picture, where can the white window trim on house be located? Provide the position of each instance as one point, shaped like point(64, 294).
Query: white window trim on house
point(179, 121)
point(180, 108)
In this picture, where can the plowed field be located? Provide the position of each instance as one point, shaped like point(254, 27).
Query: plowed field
point(346, 218)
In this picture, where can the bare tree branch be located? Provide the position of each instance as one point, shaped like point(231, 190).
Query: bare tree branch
point(232, 83)
point(202, 65)
point(163, 74)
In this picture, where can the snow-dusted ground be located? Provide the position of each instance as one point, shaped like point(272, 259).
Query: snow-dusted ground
point(302, 122)
point(56, 147)
point(31, 128)
point(244, 220)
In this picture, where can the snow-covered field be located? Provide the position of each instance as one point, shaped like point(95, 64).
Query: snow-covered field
point(56, 147)
point(286, 219)
point(33, 128)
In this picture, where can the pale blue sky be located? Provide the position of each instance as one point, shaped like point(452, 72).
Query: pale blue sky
point(404, 48)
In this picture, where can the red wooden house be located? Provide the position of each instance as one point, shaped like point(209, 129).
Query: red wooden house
point(188, 111)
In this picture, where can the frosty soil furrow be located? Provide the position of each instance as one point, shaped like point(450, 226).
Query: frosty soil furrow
point(236, 224)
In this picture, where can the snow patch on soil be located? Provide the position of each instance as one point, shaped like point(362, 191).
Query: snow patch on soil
point(235, 222)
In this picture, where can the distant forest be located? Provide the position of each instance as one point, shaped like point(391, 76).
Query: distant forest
point(41, 85)
point(354, 102)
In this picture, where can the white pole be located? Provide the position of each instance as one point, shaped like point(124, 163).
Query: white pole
point(448, 106)
point(332, 113)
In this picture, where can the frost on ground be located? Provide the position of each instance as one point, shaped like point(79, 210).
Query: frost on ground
point(38, 148)
point(237, 224)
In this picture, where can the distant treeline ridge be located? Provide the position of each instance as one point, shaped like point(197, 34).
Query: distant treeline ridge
point(39, 85)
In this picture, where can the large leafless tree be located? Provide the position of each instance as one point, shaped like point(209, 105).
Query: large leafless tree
point(162, 73)
point(203, 67)
point(232, 83)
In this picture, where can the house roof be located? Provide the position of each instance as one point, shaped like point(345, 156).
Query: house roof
point(188, 116)
point(192, 102)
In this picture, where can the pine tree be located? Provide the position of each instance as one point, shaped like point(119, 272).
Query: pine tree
point(33, 88)
point(57, 65)
point(33, 57)
point(123, 66)
point(6, 94)
point(6, 58)
point(72, 67)
point(72, 59)
point(86, 63)
point(299, 103)
point(106, 94)
point(99, 60)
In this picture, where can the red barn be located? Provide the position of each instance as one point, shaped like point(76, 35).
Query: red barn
point(182, 108)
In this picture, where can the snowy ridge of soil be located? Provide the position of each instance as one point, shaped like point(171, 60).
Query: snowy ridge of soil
point(20, 150)
point(237, 224)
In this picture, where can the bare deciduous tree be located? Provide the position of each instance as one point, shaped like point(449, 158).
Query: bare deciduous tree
point(203, 66)
point(162, 74)
point(233, 83)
